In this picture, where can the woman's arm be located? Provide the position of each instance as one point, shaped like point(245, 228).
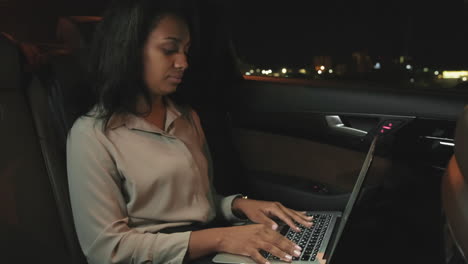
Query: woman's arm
point(203, 242)
point(99, 206)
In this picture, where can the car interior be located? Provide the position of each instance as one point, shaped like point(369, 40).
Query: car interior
point(299, 143)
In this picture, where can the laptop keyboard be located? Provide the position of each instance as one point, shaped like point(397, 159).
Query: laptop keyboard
point(309, 239)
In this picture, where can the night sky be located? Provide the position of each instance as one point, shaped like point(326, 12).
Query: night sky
point(434, 33)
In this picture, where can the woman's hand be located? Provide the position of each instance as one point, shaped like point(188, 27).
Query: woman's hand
point(262, 212)
point(248, 240)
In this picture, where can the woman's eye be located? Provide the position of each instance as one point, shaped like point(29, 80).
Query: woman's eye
point(169, 51)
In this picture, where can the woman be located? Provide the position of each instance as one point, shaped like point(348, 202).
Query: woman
point(138, 163)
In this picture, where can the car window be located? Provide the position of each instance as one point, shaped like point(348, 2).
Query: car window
point(404, 44)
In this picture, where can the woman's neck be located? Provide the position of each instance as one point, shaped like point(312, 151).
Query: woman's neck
point(157, 116)
point(158, 103)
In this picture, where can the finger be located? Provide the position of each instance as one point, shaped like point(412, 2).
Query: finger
point(278, 212)
point(279, 241)
point(287, 246)
point(258, 258)
point(297, 216)
point(281, 254)
point(302, 214)
point(300, 218)
point(263, 219)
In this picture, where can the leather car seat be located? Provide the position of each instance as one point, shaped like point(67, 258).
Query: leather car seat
point(51, 109)
point(30, 229)
point(56, 96)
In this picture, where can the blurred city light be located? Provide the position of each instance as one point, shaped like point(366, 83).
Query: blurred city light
point(454, 74)
point(343, 70)
point(266, 72)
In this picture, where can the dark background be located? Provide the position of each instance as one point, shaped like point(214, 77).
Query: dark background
point(434, 33)
point(291, 32)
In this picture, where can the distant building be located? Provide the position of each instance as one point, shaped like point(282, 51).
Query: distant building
point(361, 62)
point(341, 69)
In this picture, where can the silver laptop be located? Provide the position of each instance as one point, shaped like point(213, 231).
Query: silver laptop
point(319, 242)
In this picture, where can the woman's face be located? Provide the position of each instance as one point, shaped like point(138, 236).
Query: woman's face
point(165, 55)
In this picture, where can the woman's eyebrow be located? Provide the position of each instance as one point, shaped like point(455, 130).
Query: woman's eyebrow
point(178, 40)
point(175, 39)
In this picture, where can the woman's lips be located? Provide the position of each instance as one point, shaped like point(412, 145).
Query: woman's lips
point(175, 78)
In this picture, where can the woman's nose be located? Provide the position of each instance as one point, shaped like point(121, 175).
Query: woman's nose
point(181, 62)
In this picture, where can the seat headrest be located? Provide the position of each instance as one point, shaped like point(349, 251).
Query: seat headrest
point(76, 32)
point(10, 66)
point(461, 144)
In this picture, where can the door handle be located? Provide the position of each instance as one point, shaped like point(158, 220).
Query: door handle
point(335, 123)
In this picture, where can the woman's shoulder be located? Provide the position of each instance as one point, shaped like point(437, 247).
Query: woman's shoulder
point(89, 123)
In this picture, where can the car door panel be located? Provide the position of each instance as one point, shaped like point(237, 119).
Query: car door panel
point(290, 150)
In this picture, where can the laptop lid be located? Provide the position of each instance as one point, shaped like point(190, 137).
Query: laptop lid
point(352, 199)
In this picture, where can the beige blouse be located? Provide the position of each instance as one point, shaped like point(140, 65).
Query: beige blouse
point(133, 180)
